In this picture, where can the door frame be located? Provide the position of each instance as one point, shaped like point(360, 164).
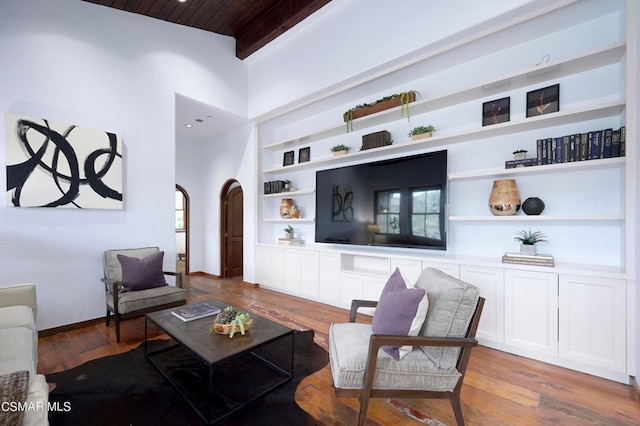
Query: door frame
point(224, 193)
point(185, 199)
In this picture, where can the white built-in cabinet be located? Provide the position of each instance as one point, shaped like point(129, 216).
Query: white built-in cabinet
point(531, 311)
point(578, 314)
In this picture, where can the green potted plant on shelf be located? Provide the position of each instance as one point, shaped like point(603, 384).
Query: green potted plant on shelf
point(421, 132)
point(340, 149)
point(287, 185)
point(528, 241)
point(402, 99)
point(289, 231)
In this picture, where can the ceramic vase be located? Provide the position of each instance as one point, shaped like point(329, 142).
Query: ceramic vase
point(285, 208)
point(533, 206)
point(504, 199)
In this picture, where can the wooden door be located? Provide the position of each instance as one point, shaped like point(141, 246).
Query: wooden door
point(234, 233)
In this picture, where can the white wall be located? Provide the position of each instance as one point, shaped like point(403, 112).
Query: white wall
point(232, 156)
point(97, 67)
point(346, 40)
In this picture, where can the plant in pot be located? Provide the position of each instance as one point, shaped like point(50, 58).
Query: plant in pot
point(528, 241)
point(230, 321)
point(287, 185)
point(402, 99)
point(289, 231)
point(340, 149)
point(421, 132)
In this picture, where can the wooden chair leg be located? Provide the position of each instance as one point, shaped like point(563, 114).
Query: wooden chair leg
point(457, 409)
point(117, 317)
point(108, 317)
point(364, 405)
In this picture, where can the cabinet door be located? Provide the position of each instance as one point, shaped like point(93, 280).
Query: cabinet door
point(292, 267)
point(329, 277)
point(351, 287)
point(531, 311)
point(263, 262)
point(410, 269)
point(309, 269)
point(593, 321)
point(452, 269)
point(490, 281)
point(277, 267)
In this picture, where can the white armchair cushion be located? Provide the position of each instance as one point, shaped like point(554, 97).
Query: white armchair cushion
point(452, 303)
point(348, 349)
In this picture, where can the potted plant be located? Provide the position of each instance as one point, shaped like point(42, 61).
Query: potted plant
point(520, 154)
point(528, 241)
point(231, 320)
point(421, 132)
point(287, 185)
point(289, 231)
point(401, 99)
point(340, 149)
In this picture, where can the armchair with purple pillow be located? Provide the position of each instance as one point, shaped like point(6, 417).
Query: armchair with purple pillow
point(135, 284)
point(417, 346)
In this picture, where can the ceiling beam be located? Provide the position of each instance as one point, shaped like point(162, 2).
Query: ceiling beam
point(273, 23)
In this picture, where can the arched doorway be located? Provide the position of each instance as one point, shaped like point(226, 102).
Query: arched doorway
point(182, 230)
point(231, 229)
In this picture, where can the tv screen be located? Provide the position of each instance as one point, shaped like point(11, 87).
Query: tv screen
point(398, 203)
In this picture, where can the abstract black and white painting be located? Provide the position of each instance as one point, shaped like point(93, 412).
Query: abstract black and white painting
point(52, 164)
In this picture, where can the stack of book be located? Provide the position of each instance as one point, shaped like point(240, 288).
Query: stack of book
point(196, 311)
point(523, 259)
point(290, 242)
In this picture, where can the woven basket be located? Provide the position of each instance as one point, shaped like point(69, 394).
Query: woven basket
point(226, 328)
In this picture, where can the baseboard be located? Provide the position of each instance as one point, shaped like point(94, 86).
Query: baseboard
point(69, 327)
point(204, 274)
point(635, 388)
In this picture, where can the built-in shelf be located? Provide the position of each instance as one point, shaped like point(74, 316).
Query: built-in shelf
point(290, 193)
point(592, 59)
point(550, 218)
point(443, 139)
point(299, 220)
point(547, 168)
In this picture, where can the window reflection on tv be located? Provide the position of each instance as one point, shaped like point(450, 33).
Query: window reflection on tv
point(397, 203)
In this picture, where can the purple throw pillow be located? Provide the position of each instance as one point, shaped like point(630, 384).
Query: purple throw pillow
point(141, 274)
point(400, 311)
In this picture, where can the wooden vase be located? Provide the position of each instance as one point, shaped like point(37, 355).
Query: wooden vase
point(504, 199)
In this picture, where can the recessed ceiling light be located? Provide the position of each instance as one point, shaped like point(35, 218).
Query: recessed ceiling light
point(188, 125)
point(199, 120)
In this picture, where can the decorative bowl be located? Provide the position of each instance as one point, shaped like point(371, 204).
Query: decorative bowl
point(226, 328)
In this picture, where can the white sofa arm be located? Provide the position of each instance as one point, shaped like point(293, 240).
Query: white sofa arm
point(19, 294)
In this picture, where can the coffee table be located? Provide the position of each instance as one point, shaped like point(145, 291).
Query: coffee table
point(216, 375)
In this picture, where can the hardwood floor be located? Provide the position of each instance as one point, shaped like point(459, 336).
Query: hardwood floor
point(499, 388)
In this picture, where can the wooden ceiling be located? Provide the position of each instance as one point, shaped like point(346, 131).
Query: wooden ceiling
point(253, 23)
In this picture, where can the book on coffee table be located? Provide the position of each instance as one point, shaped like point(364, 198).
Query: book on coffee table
point(195, 311)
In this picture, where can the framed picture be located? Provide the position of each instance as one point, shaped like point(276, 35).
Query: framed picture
point(304, 154)
point(288, 158)
point(496, 111)
point(543, 101)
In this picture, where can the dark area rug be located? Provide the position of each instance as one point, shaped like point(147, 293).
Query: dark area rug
point(126, 389)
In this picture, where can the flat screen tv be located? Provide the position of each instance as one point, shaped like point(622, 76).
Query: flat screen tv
point(399, 202)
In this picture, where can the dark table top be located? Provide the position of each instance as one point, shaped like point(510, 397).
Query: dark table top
point(212, 347)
